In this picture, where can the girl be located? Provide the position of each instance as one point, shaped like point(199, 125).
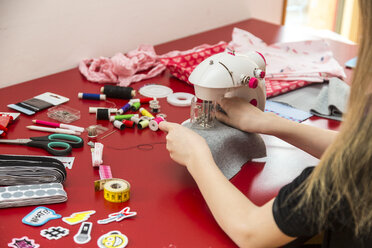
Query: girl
point(334, 197)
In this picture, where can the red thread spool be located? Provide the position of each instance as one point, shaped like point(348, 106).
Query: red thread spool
point(128, 123)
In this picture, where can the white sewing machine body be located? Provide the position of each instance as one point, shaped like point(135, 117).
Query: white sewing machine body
point(227, 75)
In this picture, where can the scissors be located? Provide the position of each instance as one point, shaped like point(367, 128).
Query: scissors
point(63, 142)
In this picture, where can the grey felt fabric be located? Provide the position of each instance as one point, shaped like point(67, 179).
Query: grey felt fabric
point(230, 147)
point(302, 98)
point(332, 100)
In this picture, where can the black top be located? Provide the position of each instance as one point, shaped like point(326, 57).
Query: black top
point(295, 223)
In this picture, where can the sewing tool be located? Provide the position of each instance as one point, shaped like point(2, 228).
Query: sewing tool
point(105, 172)
point(143, 124)
point(103, 114)
point(226, 75)
point(180, 99)
point(144, 112)
point(128, 123)
point(135, 119)
point(50, 142)
point(125, 108)
point(154, 106)
point(83, 235)
point(118, 124)
point(53, 130)
point(97, 154)
point(123, 117)
point(59, 125)
point(93, 110)
point(116, 190)
point(135, 106)
point(154, 123)
point(142, 100)
point(91, 96)
point(63, 114)
point(120, 92)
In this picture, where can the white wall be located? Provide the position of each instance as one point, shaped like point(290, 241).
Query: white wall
point(41, 37)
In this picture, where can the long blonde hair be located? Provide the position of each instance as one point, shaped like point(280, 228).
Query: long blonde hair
point(344, 173)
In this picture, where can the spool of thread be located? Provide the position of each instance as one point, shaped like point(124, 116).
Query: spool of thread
point(128, 123)
point(119, 92)
point(135, 106)
point(125, 108)
point(90, 96)
point(155, 106)
point(142, 100)
point(94, 110)
point(122, 117)
point(144, 112)
point(103, 114)
point(154, 123)
point(135, 119)
point(143, 124)
point(117, 190)
point(119, 125)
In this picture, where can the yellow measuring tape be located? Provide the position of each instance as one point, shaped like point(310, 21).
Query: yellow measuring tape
point(114, 190)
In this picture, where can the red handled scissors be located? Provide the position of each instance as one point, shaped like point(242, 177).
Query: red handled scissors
point(56, 144)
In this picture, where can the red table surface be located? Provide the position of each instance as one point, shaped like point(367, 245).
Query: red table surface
point(171, 210)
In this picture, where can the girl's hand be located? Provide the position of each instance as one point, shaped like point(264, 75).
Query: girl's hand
point(184, 145)
point(244, 116)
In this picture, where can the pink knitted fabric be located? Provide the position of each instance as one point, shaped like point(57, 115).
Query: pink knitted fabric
point(123, 69)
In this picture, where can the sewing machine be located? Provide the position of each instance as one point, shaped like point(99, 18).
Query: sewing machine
point(226, 74)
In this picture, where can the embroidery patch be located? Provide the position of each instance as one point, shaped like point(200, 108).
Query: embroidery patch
point(54, 232)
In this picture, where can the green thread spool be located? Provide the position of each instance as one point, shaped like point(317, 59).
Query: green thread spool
point(135, 106)
point(121, 117)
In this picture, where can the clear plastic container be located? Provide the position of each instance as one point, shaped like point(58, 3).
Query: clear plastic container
point(64, 114)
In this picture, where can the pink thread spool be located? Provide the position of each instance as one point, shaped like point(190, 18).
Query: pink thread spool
point(154, 123)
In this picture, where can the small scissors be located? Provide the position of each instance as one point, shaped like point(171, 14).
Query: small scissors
point(64, 141)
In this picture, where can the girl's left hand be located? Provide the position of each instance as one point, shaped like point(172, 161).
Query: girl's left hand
point(184, 145)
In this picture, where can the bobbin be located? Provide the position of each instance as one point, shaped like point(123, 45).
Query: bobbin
point(103, 114)
point(91, 96)
point(154, 123)
point(93, 110)
point(119, 92)
point(155, 106)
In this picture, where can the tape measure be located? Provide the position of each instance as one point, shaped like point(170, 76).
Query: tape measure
point(116, 190)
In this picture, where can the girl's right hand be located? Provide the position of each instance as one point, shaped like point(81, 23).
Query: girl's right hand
point(244, 116)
